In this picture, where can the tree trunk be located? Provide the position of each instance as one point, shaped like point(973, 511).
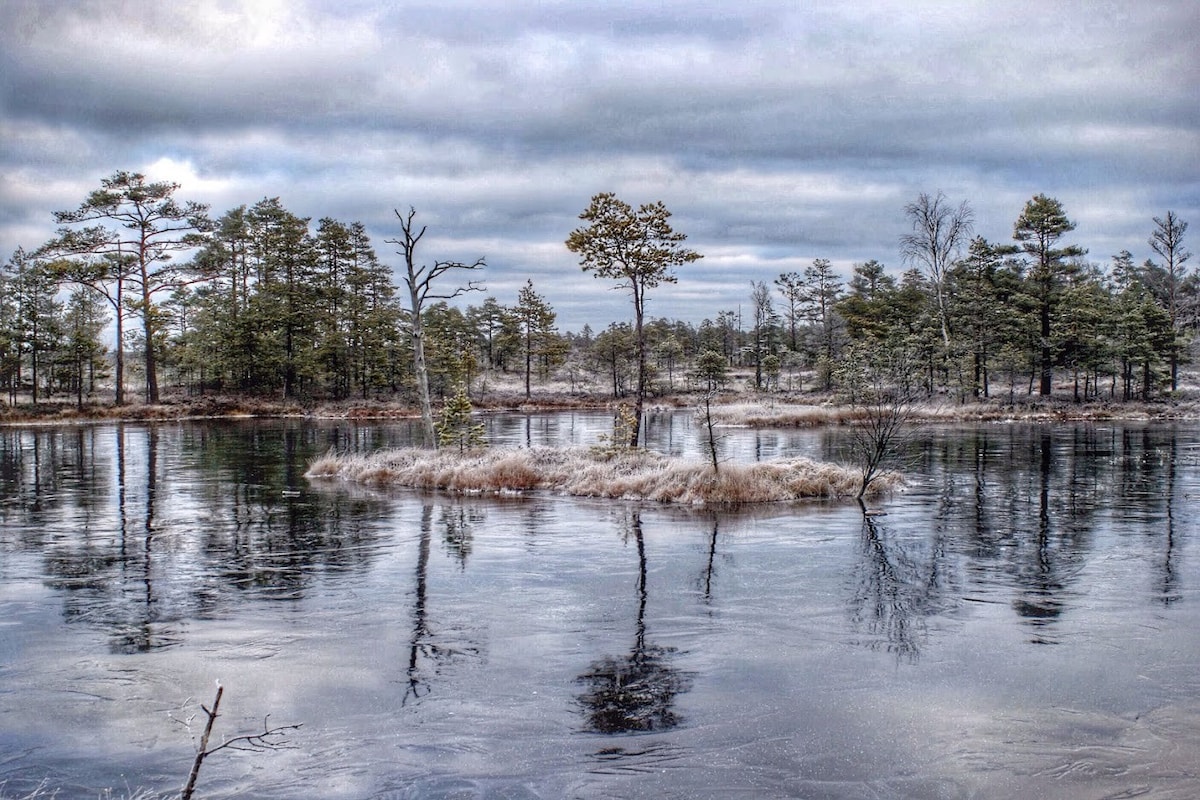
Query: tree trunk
point(428, 434)
point(148, 333)
point(639, 404)
point(119, 365)
point(1047, 363)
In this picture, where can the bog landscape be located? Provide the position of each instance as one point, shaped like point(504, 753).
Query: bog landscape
point(307, 532)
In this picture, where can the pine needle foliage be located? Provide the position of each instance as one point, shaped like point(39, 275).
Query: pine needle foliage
point(456, 428)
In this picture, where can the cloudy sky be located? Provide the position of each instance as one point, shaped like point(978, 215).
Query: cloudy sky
point(776, 132)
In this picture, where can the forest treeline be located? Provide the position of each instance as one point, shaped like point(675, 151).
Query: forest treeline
point(262, 302)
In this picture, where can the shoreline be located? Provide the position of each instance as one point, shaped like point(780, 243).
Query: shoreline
point(745, 409)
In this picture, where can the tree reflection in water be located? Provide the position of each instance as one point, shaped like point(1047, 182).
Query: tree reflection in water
point(710, 564)
point(458, 530)
point(428, 653)
point(142, 527)
point(119, 571)
point(634, 692)
point(897, 589)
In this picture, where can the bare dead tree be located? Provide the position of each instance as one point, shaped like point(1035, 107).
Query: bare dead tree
point(268, 739)
point(420, 282)
point(938, 231)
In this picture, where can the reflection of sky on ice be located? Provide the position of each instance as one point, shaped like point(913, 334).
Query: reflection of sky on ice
point(432, 646)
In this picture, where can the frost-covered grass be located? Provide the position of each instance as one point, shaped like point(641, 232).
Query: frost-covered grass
point(583, 472)
point(796, 415)
point(44, 792)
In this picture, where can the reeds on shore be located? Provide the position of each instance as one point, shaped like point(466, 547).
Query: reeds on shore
point(584, 472)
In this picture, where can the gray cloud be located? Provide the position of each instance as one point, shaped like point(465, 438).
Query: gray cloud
point(776, 133)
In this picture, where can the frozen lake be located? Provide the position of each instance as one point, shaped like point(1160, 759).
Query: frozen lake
point(1022, 623)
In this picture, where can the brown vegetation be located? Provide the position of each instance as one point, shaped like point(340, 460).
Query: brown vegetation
point(743, 409)
point(809, 415)
point(628, 475)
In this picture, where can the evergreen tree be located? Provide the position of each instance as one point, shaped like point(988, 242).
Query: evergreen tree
point(36, 318)
point(333, 337)
point(496, 333)
point(822, 290)
point(1083, 313)
point(1174, 287)
point(372, 314)
point(1039, 227)
point(280, 327)
point(791, 286)
point(83, 351)
point(137, 227)
point(613, 355)
point(540, 342)
point(980, 289)
point(638, 250)
point(1140, 329)
point(455, 428)
point(865, 308)
point(449, 349)
point(766, 322)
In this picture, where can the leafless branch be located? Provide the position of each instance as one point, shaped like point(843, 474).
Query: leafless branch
point(269, 739)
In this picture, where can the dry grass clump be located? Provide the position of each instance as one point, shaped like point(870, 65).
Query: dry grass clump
point(581, 472)
point(786, 415)
point(756, 415)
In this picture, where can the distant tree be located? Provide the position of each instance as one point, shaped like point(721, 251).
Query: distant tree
point(938, 231)
point(791, 286)
point(35, 320)
point(10, 354)
point(980, 309)
point(372, 314)
point(333, 337)
point(138, 227)
point(613, 352)
point(667, 352)
point(539, 338)
point(493, 326)
point(1083, 315)
point(220, 344)
point(420, 281)
point(765, 322)
point(638, 250)
point(866, 308)
point(1039, 227)
point(822, 289)
point(1170, 281)
point(1138, 328)
point(83, 353)
point(710, 372)
point(729, 327)
point(357, 310)
point(282, 321)
point(772, 366)
point(450, 349)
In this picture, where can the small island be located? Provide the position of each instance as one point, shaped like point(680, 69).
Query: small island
point(597, 472)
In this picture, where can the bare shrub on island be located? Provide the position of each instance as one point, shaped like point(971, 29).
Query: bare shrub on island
point(711, 372)
point(879, 384)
